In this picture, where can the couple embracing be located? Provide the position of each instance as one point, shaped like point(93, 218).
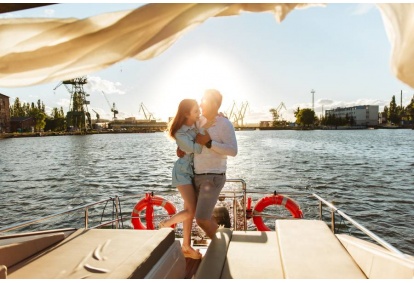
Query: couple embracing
point(200, 172)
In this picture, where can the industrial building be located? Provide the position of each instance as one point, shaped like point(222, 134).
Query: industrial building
point(22, 124)
point(4, 114)
point(363, 115)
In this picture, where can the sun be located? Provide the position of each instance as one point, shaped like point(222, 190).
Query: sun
point(189, 75)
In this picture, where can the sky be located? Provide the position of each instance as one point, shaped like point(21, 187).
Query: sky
point(340, 51)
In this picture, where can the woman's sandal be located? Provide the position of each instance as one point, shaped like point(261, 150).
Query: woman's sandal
point(194, 254)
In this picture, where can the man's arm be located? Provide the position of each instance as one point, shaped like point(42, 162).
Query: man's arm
point(229, 144)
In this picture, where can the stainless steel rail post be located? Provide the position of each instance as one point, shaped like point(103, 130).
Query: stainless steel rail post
point(320, 210)
point(116, 212)
point(86, 218)
point(234, 210)
point(243, 191)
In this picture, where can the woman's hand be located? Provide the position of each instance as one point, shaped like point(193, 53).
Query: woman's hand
point(180, 153)
point(203, 139)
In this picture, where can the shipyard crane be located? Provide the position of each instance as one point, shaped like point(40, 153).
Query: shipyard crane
point(97, 116)
point(148, 115)
point(279, 108)
point(61, 83)
point(231, 114)
point(237, 115)
point(242, 112)
point(78, 116)
point(113, 107)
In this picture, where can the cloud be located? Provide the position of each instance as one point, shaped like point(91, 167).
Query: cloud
point(63, 102)
point(362, 9)
point(336, 104)
point(98, 84)
point(324, 102)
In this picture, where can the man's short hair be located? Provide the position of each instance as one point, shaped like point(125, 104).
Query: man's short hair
point(214, 95)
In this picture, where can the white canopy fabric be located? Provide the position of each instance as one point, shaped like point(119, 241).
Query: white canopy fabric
point(399, 24)
point(36, 51)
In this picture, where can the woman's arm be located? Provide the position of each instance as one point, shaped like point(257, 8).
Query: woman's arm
point(187, 144)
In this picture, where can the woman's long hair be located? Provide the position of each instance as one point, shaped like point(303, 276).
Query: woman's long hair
point(179, 119)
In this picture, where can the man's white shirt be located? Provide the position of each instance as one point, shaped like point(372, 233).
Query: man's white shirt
point(224, 143)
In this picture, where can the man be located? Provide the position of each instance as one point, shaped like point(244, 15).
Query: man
point(210, 165)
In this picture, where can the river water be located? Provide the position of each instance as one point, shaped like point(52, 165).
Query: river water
point(369, 174)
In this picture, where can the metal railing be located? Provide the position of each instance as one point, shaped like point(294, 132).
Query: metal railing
point(83, 207)
point(235, 194)
point(367, 232)
point(231, 193)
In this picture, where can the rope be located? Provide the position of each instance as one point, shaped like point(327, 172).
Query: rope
point(343, 223)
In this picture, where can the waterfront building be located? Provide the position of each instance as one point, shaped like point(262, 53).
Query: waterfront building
point(382, 118)
point(266, 124)
point(135, 125)
point(363, 115)
point(22, 124)
point(4, 114)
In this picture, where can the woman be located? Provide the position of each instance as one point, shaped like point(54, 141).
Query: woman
point(183, 130)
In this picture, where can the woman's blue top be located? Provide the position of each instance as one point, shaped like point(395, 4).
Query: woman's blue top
point(183, 171)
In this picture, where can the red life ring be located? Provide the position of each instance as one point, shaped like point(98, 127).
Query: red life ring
point(147, 204)
point(288, 203)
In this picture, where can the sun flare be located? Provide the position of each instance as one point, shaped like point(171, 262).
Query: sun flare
point(190, 75)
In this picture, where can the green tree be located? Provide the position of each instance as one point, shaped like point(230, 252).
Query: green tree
point(393, 115)
point(352, 121)
point(17, 110)
point(409, 110)
point(57, 120)
point(347, 119)
point(275, 116)
point(37, 111)
point(57, 113)
point(40, 120)
point(306, 117)
point(296, 112)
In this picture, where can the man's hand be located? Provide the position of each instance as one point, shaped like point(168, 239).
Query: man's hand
point(202, 139)
point(221, 114)
point(180, 153)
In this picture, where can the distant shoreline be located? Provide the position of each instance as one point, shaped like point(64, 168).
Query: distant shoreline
point(52, 134)
point(49, 134)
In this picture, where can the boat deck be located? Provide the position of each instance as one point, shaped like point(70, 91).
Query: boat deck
point(298, 249)
point(191, 265)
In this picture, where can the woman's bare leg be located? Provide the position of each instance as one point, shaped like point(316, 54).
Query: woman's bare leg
point(186, 215)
